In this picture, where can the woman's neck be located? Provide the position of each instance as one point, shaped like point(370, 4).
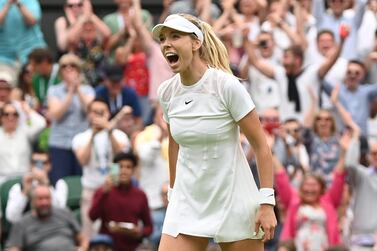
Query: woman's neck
point(194, 72)
point(9, 130)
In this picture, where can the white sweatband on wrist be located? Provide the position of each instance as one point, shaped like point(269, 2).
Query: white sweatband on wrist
point(267, 196)
point(170, 191)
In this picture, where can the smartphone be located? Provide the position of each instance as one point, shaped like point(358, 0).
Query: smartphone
point(114, 172)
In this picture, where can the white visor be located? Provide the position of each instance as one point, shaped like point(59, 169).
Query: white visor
point(179, 23)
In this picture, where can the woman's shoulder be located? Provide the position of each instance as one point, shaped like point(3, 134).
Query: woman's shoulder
point(166, 89)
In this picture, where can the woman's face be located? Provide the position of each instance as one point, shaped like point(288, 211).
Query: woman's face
point(69, 72)
point(310, 190)
point(9, 118)
point(76, 6)
point(247, 7)
point(178, 49)
point(323, 124)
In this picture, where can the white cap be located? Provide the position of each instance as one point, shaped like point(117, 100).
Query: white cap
point(6, 77)
point(179, 23)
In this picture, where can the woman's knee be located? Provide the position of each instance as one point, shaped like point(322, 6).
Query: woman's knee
point(183, 243)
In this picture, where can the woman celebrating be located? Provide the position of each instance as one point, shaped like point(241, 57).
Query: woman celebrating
point(67, 103)
point(213, 192)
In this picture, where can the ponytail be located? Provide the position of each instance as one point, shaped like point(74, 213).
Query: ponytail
point(212, 51)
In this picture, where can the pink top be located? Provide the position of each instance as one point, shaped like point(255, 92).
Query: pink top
point(290, 199)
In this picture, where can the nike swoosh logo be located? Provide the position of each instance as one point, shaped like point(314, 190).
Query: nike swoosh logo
point(188, 102)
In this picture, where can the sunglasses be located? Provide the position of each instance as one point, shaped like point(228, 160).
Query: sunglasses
point(72, 5)
point(10, 114)
point(323, 118)
point(64, 66)
point(269, 119)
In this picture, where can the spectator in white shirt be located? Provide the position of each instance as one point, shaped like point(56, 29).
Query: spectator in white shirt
point(19, 194)
point(95, 149)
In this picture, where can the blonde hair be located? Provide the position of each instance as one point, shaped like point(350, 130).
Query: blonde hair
point(212, 51)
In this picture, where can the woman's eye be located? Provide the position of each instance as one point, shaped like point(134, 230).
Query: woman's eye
point(162, 39)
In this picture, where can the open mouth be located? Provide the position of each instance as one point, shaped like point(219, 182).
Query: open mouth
point(172, 57)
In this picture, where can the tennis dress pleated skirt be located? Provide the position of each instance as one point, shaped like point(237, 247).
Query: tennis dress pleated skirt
point(214, 193)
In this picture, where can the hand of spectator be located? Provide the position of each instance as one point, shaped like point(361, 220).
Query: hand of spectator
point(27, 182)
point(108, 184)
point(87, 9)
point(100, 122)
point(344, 31)
point(167, 3)
point(275, 19)
point(313, 95)
point(25, 107)
point(335, 94)
point(136, 232)
point(266, 220)
point(40, 176)
point(373, 56)
point(345, 140)
point(228, 4)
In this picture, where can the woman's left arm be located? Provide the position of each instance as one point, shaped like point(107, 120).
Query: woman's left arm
point(251, 127)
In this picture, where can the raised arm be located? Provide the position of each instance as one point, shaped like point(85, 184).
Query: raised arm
point(309, 116)
point(257, 62)
point(30, 16)
point(318, 11)
point(360, 8)
point(5, 10)
point(334, 55)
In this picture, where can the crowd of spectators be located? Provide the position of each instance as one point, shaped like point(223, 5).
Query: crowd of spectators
point(90, 110)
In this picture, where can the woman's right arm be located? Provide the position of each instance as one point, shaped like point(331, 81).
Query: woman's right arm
point(173, 156)
point(57, 108)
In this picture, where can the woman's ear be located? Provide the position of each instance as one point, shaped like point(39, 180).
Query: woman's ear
point(196, 44)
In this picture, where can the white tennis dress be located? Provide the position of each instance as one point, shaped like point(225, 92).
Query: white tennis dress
point(214, 194)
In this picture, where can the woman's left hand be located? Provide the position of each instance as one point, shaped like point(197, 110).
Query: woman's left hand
point(266, 220)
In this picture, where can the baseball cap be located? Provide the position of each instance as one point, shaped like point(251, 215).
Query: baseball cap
point(113, 72)
point(179, 23)
point(99, 239)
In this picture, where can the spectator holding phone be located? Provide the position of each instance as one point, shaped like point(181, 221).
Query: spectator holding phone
point(95, 149)
point(19, 194)
point(121, 206)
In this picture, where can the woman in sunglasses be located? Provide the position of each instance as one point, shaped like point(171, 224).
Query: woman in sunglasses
point(16, 139)
point(68, 27)
point(67, 103)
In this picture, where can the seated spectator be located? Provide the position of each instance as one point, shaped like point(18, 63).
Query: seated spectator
point(45, 73)
point(118, 23)
point(68, 28)
point(101, 242)
point(46, 227)
point(67, 104)
point(151, 145)
point(16, 140)
point(121, 206)
point(95, 149)
point(336, 16)
point(20, 31)
point(19, 194)
point(25, 91)
point(89, 45)
point(321, 139)
point(149, 57)
point(363, 181)
point(355, 95)
point(311, 218)
point(8, 94)
point(117, 95)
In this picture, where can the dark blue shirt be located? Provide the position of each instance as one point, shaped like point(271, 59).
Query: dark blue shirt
point(126, 97)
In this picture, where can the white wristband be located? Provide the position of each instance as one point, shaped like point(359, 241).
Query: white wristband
point(170, 191)
point(267, 196)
